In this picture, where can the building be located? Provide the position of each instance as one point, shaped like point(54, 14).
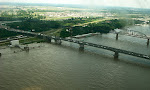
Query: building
point(14, 43)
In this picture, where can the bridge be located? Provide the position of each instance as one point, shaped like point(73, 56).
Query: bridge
point(132, 33)
point(82, 44)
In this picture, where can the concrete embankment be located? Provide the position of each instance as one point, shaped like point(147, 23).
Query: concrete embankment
point(85, 35)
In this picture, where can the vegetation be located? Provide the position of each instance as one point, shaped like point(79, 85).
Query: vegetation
point(37, 25)
point(4, 33)
point(10, 19)
point(102, 27)
point(67, 26)
point(31, 40)
point(65, 22)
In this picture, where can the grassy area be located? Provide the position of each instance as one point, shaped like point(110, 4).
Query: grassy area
point(25, 41)
point(52, 27)
point(31, 40)
point(94, 21)
point(56, 32)
point(4, 43)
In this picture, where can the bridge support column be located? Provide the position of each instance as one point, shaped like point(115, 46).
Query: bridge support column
point(0, 54)
point(39, 36)
point(48, 40)
point(147, 42)
point(116, 36)
point(26, 48)
point(57, 41)
point(81, 47)
point(116, 55)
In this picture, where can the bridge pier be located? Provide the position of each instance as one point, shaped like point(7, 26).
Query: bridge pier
point(58, 41)
point(116, 55)
point(26, 48)
point(81, 48)
point(48, 39)
point(117, 36)
point(147, 42)
point(39, 36)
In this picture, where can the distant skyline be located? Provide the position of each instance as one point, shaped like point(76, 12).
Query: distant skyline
point(92, 3)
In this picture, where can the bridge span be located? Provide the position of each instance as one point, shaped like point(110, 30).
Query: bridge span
point(59, 40)
point(132, 33)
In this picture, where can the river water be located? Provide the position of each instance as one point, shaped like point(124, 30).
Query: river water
point(64, 67)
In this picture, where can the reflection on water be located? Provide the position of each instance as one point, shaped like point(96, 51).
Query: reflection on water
point(55, 67)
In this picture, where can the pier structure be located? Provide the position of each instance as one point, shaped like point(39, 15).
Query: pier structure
point(81, 46)
point(117, 36)
point(26, 48)
point(57, 40)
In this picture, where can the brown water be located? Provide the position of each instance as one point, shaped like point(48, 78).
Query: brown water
point(54, 67)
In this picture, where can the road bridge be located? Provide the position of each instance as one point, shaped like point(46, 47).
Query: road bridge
point(59, 40)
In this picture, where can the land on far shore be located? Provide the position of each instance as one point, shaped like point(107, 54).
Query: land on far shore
point(64, 21)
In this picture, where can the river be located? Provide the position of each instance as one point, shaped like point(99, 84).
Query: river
point(64, 67)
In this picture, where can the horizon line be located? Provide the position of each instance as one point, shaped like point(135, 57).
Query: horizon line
point(5, 3)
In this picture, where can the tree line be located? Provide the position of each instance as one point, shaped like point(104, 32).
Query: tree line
point(4, 33)
point(101, 27)
point(37, 25)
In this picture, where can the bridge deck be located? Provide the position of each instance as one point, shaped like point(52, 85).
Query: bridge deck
point(111, 49)
point(87, 43)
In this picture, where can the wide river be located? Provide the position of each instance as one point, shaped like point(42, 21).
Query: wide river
point(64, 67)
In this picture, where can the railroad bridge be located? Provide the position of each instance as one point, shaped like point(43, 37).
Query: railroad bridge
point(58, 40)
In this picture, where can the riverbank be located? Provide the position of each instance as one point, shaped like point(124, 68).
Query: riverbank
point(23, 41)
point(85, 35)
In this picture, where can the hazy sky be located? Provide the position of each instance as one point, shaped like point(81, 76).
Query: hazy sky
point(125, 3)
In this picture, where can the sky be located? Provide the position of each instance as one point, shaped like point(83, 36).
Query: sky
point(123, 3)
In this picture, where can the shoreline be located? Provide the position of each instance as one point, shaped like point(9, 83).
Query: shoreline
point(85, 35)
